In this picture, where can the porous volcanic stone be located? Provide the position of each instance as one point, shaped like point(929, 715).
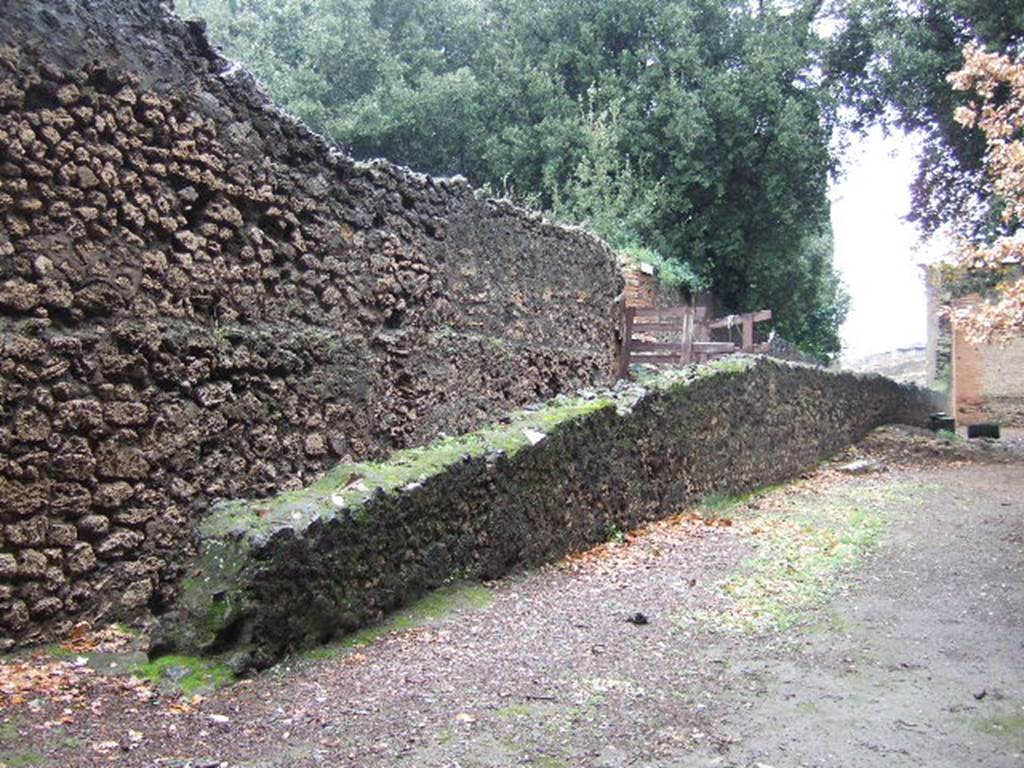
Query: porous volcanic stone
point(289, 571)
point(201, 299)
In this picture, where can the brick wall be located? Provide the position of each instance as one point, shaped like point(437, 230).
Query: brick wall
point(988, 379)
point(643, 288)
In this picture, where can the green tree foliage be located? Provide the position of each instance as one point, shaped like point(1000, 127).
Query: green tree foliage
point(889, 60)
point(697, 129)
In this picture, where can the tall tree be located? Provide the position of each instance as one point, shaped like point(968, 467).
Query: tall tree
point(889, 60)
point(995, 83)
point(698, 129)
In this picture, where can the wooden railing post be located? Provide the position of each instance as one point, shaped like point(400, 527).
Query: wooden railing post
point(701, 331)
point(687, 340)
point(680, 335)
point(748, 332)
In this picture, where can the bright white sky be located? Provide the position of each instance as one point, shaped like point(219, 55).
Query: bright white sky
point(876, 250)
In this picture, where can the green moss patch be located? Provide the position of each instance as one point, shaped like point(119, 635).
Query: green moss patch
point(22, 759)
point(186, 674)
point(1007, 726)
point(516, 711)
point(433, 607)
point(549, 762)
point(717, 503)
point(800, 555)
point(59, 652)
point(125, 629)
point(9, 731)
point(58, 738)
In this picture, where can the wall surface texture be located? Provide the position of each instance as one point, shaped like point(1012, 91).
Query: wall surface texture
point(200, 299)
point(543, 482)
point(644, 288)
point(988, 379)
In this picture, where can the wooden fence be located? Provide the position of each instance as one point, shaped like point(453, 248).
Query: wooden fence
point(675, 336)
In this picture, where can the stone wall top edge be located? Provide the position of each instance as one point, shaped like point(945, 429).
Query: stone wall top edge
point(624, 397)
point(74, 33)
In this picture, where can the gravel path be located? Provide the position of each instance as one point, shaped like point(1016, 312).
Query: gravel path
point(913, 657)
point(922, 663)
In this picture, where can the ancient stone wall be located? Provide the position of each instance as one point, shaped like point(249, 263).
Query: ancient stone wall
point(200, 299)
point(536, 485)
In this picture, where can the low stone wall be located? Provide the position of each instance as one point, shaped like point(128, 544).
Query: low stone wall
point(200, 299)
point(294, 570)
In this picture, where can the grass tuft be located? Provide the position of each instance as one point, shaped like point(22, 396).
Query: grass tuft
point(800, 556)
point(22, 759)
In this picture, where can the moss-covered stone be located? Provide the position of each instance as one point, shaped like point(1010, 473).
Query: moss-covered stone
point(348, 488)
point(436, 605)
point(186, 674)
point(305, 567)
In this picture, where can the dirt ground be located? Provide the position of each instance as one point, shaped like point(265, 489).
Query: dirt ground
point(871, 615)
